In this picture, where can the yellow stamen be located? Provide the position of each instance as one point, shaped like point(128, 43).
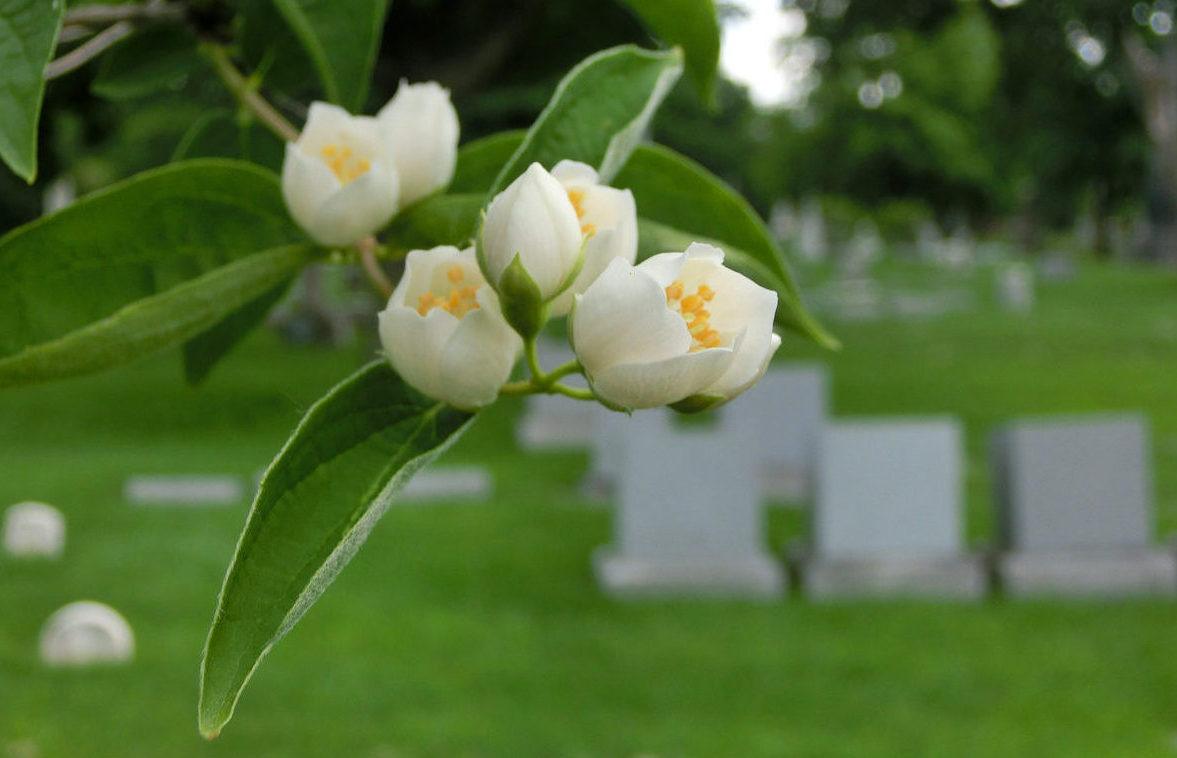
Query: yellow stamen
point(346, 166)
point(588, 230)
point(458, 300)
point(696, 317)
point(577, 198)
point(455, 274)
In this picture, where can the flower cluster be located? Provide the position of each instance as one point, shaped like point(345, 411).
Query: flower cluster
point(346, 176)
point(678, 329)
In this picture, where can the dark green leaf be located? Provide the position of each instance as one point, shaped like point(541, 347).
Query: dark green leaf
point(341, 37)
point(219, 133)
point(438, 220)
point(132, 242)
point(156, 59)
point(599, 111)
point(28, 36)
point(336, 476)
point(154, 322)
point(692, 24)
point(481, 161)
point(206, 349)
point(680, 195)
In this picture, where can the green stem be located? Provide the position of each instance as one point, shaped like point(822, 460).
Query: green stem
point(537, 373)
point(572, 392)
point(571, 367)
point(246, 93)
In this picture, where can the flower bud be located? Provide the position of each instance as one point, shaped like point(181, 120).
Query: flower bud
point(608, 218)
point(679, 328)
point(443, 332)
point(419, 128)
point(337, 180)
point(532, 220)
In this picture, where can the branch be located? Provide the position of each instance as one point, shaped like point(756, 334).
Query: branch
point(246, 93)
point(376, 275)
point(89, 50)
point(109, 14)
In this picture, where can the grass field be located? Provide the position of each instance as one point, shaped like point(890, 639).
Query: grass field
point(477, 630)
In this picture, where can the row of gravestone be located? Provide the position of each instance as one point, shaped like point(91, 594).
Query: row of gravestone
point(1073, 498)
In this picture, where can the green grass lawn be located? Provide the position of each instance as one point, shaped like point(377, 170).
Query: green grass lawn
point(477, 629)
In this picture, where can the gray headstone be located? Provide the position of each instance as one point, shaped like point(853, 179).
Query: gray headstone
point(607, 452)
point(86, 633)
point(189, 490)
point(781, 418)
point(34, 530)
point(1015, 287)
point(689, 518)
point(888, 515)
point(1074, 498)
point(448, 483)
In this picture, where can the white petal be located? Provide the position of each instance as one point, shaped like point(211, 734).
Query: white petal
point(419, 127)
point(307, 183)
point(614, 215)
point(533, 218)
point(414, 344)
point(738, 378)
point(478, 358)
point(648, 385)
point(575, 174)
point(360, 208)
point(324, 120)
point(622, 318)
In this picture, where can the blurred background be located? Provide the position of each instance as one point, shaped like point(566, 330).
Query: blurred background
point(979, 198)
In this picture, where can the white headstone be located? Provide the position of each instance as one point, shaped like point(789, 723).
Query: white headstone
point(555, 421)
point(812, 240)
point(689, 518)
point(86, 633)
point(888, 515)
point(1015, 287)
point(1074, 499)
point(607, 452)
point(448, 483)
point(782, 417)
point(184, 490)
point(34, 529)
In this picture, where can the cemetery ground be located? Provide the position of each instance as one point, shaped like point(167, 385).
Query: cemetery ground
point(477, 629)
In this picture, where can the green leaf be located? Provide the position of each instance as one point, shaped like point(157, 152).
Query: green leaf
point(341, 37)
point(691, 24)
point(599, 112)
point(437, 220)
point(220, 133)
point(680, 195)
point(28, 37)
point(156, 59)
point(82, 267)
point(481, 161)
point(155, 322)
point(319, 499)
point(205, 350)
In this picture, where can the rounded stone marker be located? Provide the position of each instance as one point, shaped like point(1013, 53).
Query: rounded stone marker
point(86, 633)
point(34, 529)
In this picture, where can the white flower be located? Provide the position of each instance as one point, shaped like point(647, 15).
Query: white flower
point(533, 219)
point(607, 216)
point(419, 127)
point(337, 180)
point(443, 332)
point(676, 326)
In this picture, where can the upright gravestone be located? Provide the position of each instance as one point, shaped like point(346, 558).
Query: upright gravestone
point(606, 452)
point(783, 417)
point(446, 483)
point(34, 530)
point(689, 519)
point(887, 519)
point(1015, 287)
point(555, 421)
point(86, 633)
point(1074, 499)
